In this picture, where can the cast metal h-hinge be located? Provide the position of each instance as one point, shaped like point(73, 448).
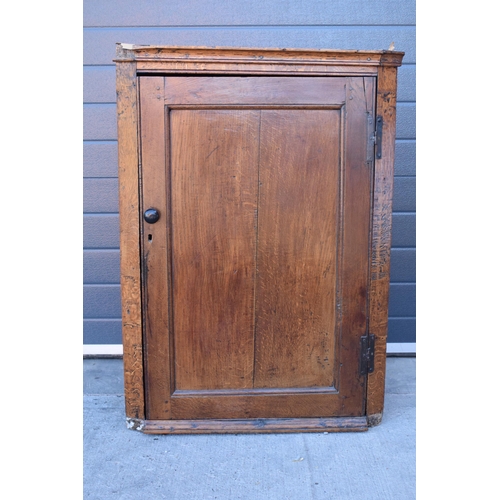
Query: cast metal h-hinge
point(367, 357)
point(379, 123)
point(374, 138)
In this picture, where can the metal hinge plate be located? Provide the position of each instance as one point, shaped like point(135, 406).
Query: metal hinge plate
point(379, 123)
point(366, 363)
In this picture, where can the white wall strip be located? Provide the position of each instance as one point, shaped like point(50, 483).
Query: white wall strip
point(401, 348)
point(102, 349)
point(117, 349)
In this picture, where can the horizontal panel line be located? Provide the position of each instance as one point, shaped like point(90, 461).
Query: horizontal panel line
point(94, 177)
point(103, 249)
point(90, 141)
point(86, 65)
point(99, 141)
point(247, 27)
point(100, 213)
point(87, 249)
point(102, 284)
point(99, 102)
point(102, 319)
point(253, 392)
point(403, 283)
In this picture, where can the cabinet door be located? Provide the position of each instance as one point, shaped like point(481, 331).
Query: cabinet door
point(256, 273)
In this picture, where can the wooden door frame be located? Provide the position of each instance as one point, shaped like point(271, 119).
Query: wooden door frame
point(132, 61)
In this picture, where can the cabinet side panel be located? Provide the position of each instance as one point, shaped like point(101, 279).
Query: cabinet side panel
point(129, 239)
point(381, 239)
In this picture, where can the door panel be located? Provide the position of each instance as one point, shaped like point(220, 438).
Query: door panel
point(258, 299)
point(296, 258)
point(214, 208)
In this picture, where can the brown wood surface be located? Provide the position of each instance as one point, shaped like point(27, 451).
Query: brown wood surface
point(252, 426)
point(262, 90)
point(381, 240)
point(130, 267)
point(155, 237)
point(258, 200)
point(256, 61)
point(296, 262)
point(214, 206)
point(359, 275)
point(201, 58)
point(356, 232)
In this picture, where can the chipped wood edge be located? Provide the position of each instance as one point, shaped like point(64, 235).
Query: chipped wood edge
point(374, 419)
point(130, 269)
point(127, 51)
point(381, 241)
point(250, 426)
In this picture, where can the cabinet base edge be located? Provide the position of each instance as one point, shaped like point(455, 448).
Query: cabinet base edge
point(257, 425)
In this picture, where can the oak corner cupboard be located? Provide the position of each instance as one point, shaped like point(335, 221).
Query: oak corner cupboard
point(255, 220)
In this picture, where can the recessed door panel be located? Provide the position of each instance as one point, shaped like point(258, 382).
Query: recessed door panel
point(214, 159)
point(298, 248)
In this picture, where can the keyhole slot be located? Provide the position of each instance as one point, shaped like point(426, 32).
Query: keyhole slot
point(150, 237)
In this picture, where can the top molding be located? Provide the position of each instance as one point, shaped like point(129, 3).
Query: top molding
point(253, 60)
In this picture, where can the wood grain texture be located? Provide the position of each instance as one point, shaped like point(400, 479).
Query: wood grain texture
point(296, 263)
point(262, 90)
point(223, 188)
point(256, 193)
point(198, 56)
point(356, 231)
point(284, 404)
point(381, 238)
point(154, 244)
point(252, 426)
point(214, 204)
point(130, 268)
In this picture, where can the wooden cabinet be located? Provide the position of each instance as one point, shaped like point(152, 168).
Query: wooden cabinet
point(255, 209)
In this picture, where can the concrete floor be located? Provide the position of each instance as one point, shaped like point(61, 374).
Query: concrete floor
point(128, 465)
